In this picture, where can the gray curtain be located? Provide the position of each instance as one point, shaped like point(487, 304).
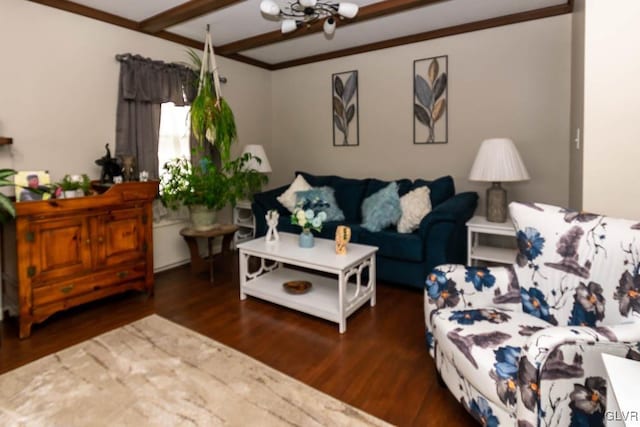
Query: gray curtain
point(144, 85)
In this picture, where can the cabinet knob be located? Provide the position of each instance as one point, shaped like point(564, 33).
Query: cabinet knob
point(123, 274)
point(88, 241)
point(66, 289)
point(100, 239)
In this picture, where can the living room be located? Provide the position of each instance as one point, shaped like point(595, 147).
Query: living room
point(544, 83)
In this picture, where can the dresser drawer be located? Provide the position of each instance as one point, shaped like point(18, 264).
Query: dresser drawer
point(70, 288)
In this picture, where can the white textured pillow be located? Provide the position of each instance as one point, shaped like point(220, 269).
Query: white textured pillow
point(288, 198)
point(416, 204)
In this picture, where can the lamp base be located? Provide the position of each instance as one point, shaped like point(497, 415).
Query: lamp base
point(496, 203)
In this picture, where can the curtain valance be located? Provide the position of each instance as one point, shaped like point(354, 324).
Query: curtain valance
point(145, 80)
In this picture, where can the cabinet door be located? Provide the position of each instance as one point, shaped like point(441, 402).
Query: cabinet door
point(121, 237)
point(58, 248)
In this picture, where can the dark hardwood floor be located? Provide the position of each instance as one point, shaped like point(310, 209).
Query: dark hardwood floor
point(379, 365)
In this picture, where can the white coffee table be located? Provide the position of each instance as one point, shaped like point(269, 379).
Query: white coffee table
point(330, 299)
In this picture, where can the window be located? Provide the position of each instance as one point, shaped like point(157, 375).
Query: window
point(174, 134)
point(172, 143)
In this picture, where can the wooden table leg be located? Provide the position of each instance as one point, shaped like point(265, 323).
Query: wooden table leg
point(210, 253)
point(197, 262)
point(227, 241)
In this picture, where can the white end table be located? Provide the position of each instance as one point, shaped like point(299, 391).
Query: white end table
point(243, 218)
point(477, 252)
point(328, 298)
point(623, 390)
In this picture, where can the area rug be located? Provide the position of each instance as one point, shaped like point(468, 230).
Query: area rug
point(154, 372)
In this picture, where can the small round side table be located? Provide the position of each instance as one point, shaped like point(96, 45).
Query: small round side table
point(190, 235)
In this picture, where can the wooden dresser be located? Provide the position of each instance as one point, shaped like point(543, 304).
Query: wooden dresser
point(64, 252)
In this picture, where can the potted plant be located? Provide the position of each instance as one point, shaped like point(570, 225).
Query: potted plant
point(309, 215)
point(211, 116)
point(7, 209)
point(206, 188)
point(71, 184)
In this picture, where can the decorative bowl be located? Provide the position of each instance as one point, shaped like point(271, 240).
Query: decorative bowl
point(297, 286)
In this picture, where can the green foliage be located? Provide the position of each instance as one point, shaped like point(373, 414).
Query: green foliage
point(243, 183)
point(205, 184)
point(69, 184)
point(212, 120)
point(7, 209)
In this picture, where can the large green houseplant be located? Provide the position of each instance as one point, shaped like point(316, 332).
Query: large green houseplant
point(205, 185)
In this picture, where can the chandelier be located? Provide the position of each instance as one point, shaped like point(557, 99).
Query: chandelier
point(301, 12)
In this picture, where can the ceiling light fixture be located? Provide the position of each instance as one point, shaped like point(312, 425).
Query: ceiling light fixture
point(301, 12)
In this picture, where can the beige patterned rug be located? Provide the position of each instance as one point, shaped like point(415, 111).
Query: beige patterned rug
point(155, 372)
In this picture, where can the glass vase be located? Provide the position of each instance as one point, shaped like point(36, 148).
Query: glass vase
point(306, 239)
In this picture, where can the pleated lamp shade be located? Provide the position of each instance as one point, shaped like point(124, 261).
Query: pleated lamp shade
point(498, 160)
point(257, 150)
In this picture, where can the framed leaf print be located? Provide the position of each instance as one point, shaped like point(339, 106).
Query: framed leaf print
point(430, 100)
point(346, 130)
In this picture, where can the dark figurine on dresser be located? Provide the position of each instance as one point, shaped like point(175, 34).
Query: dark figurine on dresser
point(110, 167)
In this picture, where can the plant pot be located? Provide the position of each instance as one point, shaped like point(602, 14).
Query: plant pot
point(202, 217)
point(305, 240)
point(70, 194)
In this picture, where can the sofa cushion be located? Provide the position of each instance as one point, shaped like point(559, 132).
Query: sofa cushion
point(441, 189)
point(349, 193)
point(484, 344)
point(268, 200)
point(288, 198)
point(323, 196)
point(317, 180)
point(415, 205)
point(375, 185)
point(579, 255)
point(381, 209)
point(392, 244)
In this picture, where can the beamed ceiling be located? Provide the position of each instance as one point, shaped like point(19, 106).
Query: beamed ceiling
point(242, 33)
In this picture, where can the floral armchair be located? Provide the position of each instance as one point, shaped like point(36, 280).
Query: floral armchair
point(521, 345)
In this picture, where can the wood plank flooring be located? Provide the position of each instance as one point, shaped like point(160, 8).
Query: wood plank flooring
point(379, 365)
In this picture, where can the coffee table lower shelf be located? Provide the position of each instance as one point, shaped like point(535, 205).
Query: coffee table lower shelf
point(322, 300)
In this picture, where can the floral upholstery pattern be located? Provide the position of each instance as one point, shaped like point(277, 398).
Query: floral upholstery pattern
point(521, 345)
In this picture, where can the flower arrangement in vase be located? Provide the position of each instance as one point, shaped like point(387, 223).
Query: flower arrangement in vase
point(308, 214)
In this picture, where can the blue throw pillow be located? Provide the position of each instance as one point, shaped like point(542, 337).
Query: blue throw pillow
point(325, 194)
point(381, 209)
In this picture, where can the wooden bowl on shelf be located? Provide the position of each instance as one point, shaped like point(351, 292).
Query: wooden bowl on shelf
point(297, 286)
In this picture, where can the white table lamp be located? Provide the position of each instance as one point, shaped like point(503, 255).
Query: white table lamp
point(498, 161)
point(257, 150)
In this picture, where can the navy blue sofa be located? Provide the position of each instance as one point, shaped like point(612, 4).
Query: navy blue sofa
point(401, 258)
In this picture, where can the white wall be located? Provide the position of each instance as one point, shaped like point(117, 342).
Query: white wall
point(511, 81)
point(59, 85)
point(576, 143)
point(611, 108)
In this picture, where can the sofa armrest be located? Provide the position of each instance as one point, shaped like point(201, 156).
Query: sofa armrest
point(459, 208)
point(463, 287)
point(460, 287)
point(444, 232)
point(565, 361)
point(264, 202)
